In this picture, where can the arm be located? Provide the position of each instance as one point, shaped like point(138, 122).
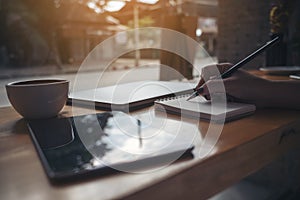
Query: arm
point(247, 88)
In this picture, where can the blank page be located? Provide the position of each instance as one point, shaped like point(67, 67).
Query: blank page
point(199, 107)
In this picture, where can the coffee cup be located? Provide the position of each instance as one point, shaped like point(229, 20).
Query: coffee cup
point(37, 99)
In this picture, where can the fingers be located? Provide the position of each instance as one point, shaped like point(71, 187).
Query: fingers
point(224, 67)
point(214, 86)
point(200, 83)
point(242, 86)
point(211, 71)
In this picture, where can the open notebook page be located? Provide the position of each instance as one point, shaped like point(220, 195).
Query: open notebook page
point(203, 109)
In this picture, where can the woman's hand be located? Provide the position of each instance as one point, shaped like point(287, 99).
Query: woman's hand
point(240, 87)
point(210, 71)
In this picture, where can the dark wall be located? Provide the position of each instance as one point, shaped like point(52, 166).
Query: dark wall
point(243, 26)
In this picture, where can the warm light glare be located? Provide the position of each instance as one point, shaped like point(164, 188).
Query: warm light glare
point(112, 20)
point(98, 10)
point(113, 6)
point(91, 5)
point(198, 32)
point(101, 2)
point(148, 1)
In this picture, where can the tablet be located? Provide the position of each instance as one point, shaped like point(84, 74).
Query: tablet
point(295, 76)
point(280, 70)
point(101, 144)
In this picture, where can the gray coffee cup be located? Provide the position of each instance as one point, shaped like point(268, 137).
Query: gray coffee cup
point(36, 99)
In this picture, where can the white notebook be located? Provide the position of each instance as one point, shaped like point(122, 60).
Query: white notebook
point(203, 109)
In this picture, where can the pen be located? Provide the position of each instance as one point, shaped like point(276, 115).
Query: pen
point(235, 67)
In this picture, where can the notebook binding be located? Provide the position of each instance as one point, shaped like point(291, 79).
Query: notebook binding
point(173, 97)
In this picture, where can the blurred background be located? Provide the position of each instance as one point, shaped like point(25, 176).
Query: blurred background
point(55, 36)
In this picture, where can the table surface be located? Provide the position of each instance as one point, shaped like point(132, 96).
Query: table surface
point(244, 146)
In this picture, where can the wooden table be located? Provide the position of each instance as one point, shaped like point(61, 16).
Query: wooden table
point(245, 146)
